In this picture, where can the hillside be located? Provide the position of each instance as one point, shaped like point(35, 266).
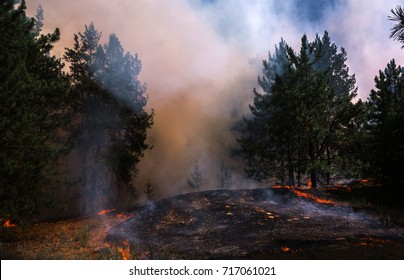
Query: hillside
point(280, 223)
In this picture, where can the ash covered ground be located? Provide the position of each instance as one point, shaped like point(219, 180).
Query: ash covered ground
point(262, 224)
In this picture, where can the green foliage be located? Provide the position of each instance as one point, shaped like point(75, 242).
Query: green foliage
point(385, 126)
point(397, 32)
point(34, 107)
point(195, 181)
point(304, 120)
point(111, 120)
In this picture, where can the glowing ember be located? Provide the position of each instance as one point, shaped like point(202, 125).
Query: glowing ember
point(125, 250)
point(285, 249)
point(281, 187)
point(103, 212)
point(364, 181)
point(316, 199)
point(309, 184)
point(8, 224)
point(124, 216)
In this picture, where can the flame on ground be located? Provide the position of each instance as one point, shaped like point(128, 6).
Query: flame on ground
point(124, 216)
point(125, 250)
point(316, 199)
point(306, 195)
point(281, 187)
point(8, 224)
point(285, 249)
point(106, 211)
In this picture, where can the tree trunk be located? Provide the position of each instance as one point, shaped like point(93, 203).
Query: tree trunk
point(291, 173)
point(83, 163)
point(299, 183)
point(328, 175)
point(291, 180)
point(313, 176)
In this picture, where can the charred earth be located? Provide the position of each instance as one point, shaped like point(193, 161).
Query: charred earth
point(262, 224)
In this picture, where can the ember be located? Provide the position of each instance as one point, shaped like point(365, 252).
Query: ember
point(281, 187)
point(285, 249)
point(8, 224)
point(103, 212)
point(124, 216)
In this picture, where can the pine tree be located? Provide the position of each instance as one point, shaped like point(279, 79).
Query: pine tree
point(195, 182)
point(112, 121)
point(120, 79)
point(38, 20)
point(385, 125)
point(262, 149)
point(88, 108)
point(305, 111)
point(397, 32)
point(34, 109)
point(149, 191)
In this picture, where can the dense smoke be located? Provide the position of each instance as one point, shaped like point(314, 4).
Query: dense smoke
point(201, 60)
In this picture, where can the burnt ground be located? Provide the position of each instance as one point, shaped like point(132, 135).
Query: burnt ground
point(353, 223)
point(264, 224)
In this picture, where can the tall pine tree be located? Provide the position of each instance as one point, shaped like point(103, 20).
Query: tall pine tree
point(34, 107)
point(111, 117)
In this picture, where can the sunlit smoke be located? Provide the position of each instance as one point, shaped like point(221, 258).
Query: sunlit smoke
point(195, 57)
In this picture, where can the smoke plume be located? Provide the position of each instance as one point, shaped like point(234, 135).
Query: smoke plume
point(196, 58)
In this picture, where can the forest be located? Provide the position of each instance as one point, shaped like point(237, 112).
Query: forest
point(80, 120)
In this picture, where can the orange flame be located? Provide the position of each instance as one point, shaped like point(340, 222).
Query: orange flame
point(281, 187)
point(309, 184)
point(8, 224)
point(285, 249)
point(103, 212)
point(124, 216)
point(317, 199)
point(125, 250)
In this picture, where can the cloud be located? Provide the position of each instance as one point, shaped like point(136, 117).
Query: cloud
point(363, 29)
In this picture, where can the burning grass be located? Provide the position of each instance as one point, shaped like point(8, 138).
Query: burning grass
point(281, 223)
point(66, 239)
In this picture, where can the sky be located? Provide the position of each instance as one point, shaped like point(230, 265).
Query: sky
point(196, 58)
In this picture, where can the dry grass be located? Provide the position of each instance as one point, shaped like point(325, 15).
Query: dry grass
point(69, 239)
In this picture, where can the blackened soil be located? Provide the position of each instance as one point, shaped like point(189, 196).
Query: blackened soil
point(262, 224)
